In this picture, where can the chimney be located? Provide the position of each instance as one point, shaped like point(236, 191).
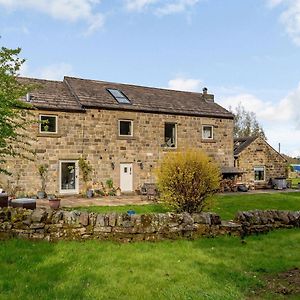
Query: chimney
point(207, 97)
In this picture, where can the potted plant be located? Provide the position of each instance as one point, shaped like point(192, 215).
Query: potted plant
point(54, 202)
point(86, 170)
point(43, 169)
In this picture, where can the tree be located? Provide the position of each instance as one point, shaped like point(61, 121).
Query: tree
point(246, 124)
point(14, 113)
point(187, 179)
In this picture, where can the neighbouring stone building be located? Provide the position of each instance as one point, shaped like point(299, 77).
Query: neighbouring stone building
point(259, 162)
point(122, 130)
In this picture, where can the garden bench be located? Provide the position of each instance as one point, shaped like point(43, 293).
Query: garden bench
point(149, 190)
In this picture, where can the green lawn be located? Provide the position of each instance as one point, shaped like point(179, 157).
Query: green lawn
point(224, 205)
point(220, 268)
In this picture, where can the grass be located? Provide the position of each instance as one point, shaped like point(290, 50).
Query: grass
point(224, 205)
point(219, 268)
point(227, 205)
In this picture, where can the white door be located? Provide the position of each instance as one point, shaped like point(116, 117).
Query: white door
point(126, 184)
point(68, 177)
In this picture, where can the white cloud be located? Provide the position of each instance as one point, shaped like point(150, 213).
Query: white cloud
point(185, 84)
point(160, 7)
point(138, 5)
point(176, 7)
point(290, 17)
point(281, 120)
point(67, 10)
point(50, 72)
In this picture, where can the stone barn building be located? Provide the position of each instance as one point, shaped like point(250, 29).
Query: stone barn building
point(122, 130)
point(258, 161)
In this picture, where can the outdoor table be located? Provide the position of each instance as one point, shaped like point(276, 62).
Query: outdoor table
point(24, 203)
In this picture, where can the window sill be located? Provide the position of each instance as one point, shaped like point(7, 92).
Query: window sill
point(208, 141)
point(126, 137)
point(53, 135)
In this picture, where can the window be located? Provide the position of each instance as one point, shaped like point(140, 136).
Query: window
point(259, 173)
point(125, 128)
point(48, 124)
point(207, 132)
point(119, 96)
point(170, 135)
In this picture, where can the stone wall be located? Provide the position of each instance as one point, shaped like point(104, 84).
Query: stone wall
point(260, 153)
point(46, 224)
point(94, 135)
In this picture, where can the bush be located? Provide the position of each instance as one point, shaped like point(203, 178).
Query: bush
point(187, 179)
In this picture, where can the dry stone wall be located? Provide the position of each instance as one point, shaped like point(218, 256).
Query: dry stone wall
point(53, 225)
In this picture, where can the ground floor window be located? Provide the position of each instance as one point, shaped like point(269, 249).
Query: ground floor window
point(259, 173)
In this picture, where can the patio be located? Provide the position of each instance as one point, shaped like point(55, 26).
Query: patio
point(98, 201)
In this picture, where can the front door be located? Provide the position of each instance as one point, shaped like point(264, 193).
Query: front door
point(126, 177)
point(68, 177)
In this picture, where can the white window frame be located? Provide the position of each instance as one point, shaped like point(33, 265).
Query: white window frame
point(212, 132)
point(260, 167)
point(119, 128)
point(56, 124)
point(176, 141)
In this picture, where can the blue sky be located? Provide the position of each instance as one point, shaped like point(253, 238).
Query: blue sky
point(244, 51)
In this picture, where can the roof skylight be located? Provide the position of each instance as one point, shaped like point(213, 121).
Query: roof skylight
point(119, 96)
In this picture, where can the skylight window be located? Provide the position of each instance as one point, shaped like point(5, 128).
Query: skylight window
point(119, 96)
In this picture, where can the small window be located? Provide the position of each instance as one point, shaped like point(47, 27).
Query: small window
point(125, 128)
point(170, 135)
point(259, 173)
point(207, 132)
point(119, 96)
point(48, 124)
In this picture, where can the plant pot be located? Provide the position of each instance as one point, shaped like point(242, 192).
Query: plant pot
point(54, 203)
point(90, 193)
point(3, 200)
point(41, 195)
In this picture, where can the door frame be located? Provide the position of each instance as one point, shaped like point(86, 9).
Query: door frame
point(121, 169)
point(76, 190)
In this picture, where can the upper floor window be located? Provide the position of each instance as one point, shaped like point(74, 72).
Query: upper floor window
point(170, 135)
point(207, 132)
point(119, 96)
point(259, 173)
point(125, 128)
point(48, 124)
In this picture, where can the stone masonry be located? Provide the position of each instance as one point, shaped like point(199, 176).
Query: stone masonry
point(260, 153)
point(93, 134)
point(51, 225)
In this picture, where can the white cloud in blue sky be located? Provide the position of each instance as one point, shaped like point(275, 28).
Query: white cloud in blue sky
point(243, 51)
point(68, 10)
point(290, 17)
point(160, 7)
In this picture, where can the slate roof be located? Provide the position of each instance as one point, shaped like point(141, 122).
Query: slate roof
point(76, 94)
point(92, 93)
point(51, 95)
point(241, 143)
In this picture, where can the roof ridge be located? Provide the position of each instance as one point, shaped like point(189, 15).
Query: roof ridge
point(135, 85)
point(39, 79)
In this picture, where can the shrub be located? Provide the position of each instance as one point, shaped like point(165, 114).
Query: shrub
point(187, 179)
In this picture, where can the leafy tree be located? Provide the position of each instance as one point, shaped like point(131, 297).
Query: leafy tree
point(187, 179)
point(14, 113)
point(246, 124)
